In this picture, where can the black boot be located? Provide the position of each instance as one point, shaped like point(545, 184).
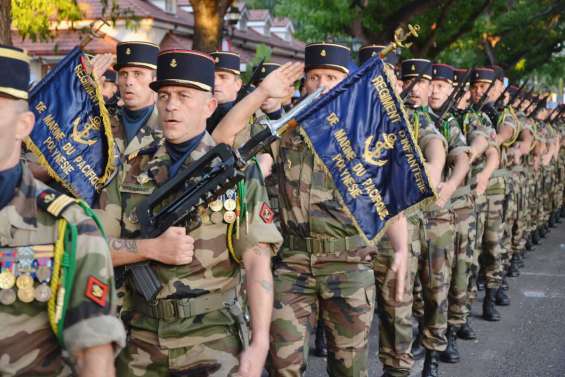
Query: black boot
point(529, 242)
point(431, 364)
point(543, 230)
point(557, 217)
point(562, 212)
point(489, 311)
point(535, 237)
point(466, 332)
point(502, 298)
point(480, 282)
point(513, 270)
point(551, 222)
point(520, 262)
point(451, 354)
point(320, 346)
point(504, 284)
point(418, 349)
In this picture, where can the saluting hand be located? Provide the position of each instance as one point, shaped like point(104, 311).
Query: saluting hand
point(279, 83)
point(174, 247)
point(100, 63)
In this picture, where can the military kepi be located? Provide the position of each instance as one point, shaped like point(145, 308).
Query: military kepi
point(227, 61)
point(368, 51)
point(412, 68)
point(185, 68)
point(136, 54)
point(442, 72)
point(266, 69)
point(483, 75)
point(327, 55)
point(14, 75)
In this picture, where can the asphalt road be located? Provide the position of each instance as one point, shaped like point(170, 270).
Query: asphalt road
point(530, 339)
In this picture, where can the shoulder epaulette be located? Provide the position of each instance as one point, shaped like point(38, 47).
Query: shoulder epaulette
point(54, 202)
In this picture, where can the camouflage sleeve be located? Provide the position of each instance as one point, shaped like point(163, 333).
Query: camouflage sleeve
point(91, 312)
point(260, 226)
point(456, 140)
point(108, 209)
point(428, 134)
point(481, 127)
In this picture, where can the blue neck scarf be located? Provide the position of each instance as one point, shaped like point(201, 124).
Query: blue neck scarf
point(180, 152)
point(9, 180)
point(133, 120)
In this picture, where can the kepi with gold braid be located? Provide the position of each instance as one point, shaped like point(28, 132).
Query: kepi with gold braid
point(227, 61)
point(327, 55)
point(443, 72)
point(14, 75)
point(265, 71)
point(483, 74)
point(188, 68)
point(411, 68)
point(136, 54)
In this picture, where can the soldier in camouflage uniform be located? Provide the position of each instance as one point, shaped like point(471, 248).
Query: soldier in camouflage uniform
point(489, 215)
point(454, 195)
point(41, 333)
point(195, 325)
point(324, 263)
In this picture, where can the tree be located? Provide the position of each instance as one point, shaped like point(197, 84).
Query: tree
point(519, 35)
point(208, 23)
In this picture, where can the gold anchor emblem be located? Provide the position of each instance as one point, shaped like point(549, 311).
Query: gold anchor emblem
point(413, 68)
point(373, 53)
point(372, 157)
point(128, 51)
point(323, 53)
point(49, 198)
point(173, 63)
point(80, 136)
point(217, 59)
point(263, 70)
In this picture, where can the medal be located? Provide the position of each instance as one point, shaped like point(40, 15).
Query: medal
point(230, 217)
point(143, 178)
point(205, 217)
point(7, 296)
point(42, 293)
point(216, 205)
point(43, 274)
point(216, 217)
point(26, 294)
point(7, 280)
point(230, 204)
point(25, 259)
point(24, 281)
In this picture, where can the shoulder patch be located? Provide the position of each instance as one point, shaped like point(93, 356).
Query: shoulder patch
point(96, 291)
point(54, 202)
point(266, 213)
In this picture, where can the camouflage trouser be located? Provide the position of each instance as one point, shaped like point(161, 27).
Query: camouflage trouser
point(347, 302)
point(547, 190)
point(509, 213)
point(520, 223)
point(418, 304)
point(491, 251)
point(435, 275)
point(395, 318)
point(216, 358)
point(476, 240)
point(464, 213)
point(534, 187)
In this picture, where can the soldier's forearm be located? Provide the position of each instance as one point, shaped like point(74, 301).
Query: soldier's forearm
point(460, 169)
point(259, 283)
point(478, 147)
point(397, 233)
point(126, 251)
point(504, 134)
point(236, 119)
point(492, 161)
point(96, 361)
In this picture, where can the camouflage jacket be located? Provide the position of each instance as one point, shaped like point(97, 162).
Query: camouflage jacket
point(508, 118)
point(144, 140)
point(477, 124)
point(27, 237)
point(212, 270)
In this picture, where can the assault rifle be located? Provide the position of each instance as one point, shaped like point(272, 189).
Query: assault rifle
point(453, 98)
point(177, 201)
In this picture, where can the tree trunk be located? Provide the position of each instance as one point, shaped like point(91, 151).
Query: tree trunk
point(208, 23)
point(5, 22)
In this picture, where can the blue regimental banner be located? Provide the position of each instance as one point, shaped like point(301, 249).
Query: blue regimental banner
point(360, 132)
point(72, 135)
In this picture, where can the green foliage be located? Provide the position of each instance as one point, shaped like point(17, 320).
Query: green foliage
point(32, 17)
point(262, 51)
point(522, 36)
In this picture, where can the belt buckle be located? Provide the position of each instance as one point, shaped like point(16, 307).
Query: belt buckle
point(182, 308)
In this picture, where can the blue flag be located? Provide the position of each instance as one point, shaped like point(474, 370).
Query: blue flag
point(72, 135)
point(360, 132)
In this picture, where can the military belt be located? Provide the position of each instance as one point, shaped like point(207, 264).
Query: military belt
point(330, 246)
point(172, 309)
point(461, 191)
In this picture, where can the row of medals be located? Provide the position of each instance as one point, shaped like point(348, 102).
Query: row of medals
point(227, 202)
point(26, 289)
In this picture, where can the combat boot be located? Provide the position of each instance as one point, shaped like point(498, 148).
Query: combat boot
point(535, 236)
point(528, 242)
point(431, 364)
point(466, 332)
point(551, 222)
point(502, 298)
point(562, 211)
point(513, 270)
point(451, 353)
point(418, 349)
point(489, 310)
point(557, 216)
point(504, 284)
point(543, 230)
point(320, 346)
point(521, 263)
